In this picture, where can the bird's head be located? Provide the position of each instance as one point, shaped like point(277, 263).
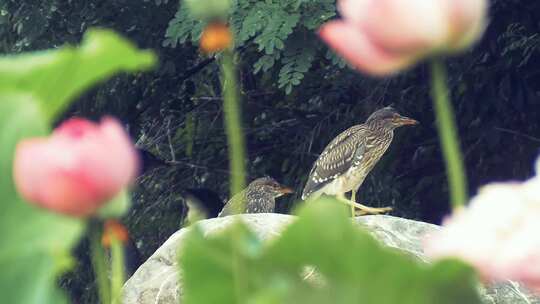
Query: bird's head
point(270, 185)
point(389, 118)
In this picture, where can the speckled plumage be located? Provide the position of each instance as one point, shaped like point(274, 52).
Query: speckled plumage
point(348, 158)
point(259, 197)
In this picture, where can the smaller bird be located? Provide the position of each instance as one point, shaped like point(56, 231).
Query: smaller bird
point(201, 203)
point(258, 197)
point(347, 159)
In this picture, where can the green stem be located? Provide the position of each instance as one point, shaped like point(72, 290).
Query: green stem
point(233, 126)
point(237, 155)
point(446, 127)
point(117, 269)
point(98, 261)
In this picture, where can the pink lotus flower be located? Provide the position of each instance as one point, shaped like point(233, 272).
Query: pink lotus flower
point(381, 37)
point(498, 233)
point(78, 168)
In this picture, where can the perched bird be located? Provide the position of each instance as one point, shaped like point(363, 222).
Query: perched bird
point(258, 197)
point(208, 199)
point(347, 159)
point(201, 204)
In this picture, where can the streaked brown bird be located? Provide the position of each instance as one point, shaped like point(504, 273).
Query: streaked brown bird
point(347, 159)
point(258, 197)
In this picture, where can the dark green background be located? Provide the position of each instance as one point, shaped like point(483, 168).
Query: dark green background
point(295, 107)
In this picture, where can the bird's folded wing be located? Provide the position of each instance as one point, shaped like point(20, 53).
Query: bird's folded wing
point(345, 150)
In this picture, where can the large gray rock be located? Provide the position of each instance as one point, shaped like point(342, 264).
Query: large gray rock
point(156, 281)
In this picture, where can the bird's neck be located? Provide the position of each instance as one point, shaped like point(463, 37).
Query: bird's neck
point(379, 126)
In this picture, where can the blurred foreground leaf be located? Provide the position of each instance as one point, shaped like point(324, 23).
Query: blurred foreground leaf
point(35, 244)
point(55, 77)
point(352, 267)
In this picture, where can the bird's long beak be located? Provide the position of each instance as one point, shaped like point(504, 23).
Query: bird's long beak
point(407, 121)
point(286, 190)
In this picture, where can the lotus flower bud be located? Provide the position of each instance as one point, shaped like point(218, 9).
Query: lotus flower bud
point(78, 168)
point(381, 37)
point(497, 233)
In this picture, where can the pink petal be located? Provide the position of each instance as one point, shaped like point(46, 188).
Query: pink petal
point(75, 128)
point(407, 26)
point(26, 174)
point(70, 194)
point(120, 160)
point(468, 20)
point(357, 49)
point(353, 10)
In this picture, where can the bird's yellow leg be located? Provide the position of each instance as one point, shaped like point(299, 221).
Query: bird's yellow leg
point(353, 199)
point(362, 209)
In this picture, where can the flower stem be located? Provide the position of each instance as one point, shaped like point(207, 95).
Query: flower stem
point(237, 155)
point(446, 127)
point(98, 261)
point(117, 269)
point(233, 126)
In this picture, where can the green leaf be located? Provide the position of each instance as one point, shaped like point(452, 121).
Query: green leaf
point(55, 77)
point(351, 266)
point(34, 244)
point(265, 63)
point(18, 287)
point(182, 27)
point(365, 270)
point(209, 9)
point(223, 263)
point(275, 27)
point(297, 61)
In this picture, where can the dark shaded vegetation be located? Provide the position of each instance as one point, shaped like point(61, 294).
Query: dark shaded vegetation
point(300, 98)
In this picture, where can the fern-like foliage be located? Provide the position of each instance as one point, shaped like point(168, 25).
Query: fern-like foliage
point(279, 33)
